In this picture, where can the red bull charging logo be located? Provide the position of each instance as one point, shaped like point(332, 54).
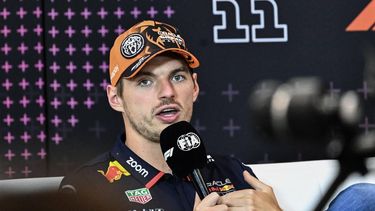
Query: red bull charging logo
point(114, 171)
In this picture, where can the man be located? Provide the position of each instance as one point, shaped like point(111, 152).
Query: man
point(153, 86)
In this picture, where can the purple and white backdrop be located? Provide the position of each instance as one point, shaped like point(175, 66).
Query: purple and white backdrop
point(54, 114)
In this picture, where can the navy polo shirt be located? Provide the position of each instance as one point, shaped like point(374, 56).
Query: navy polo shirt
point(121, 180)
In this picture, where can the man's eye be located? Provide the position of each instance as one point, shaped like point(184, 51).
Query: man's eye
point(145, 83)
point(178, 78)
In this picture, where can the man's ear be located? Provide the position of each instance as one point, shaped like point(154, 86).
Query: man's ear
point(196, 87)
point(114, 100)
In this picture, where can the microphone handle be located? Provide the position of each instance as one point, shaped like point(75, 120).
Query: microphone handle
point(199, 184)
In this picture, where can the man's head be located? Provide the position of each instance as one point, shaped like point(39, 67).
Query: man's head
point(140, 44)
point(161, 88)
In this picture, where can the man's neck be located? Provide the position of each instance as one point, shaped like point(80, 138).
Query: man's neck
point(148, 151)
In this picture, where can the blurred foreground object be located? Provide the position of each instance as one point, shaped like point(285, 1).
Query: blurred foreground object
point(303, 109)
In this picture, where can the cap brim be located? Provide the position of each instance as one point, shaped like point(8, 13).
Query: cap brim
point(193, 62)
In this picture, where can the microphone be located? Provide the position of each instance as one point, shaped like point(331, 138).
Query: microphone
point(185, 154)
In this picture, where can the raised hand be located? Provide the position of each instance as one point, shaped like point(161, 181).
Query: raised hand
point(261, 197)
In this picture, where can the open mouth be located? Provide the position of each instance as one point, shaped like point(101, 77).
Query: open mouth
point(168, 112)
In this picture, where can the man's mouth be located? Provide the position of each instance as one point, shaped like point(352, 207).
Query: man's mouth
point(168, 114)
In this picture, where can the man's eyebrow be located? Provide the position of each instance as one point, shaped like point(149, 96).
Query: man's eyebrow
point(151, 74)
point(180, 69)
point(141, 73)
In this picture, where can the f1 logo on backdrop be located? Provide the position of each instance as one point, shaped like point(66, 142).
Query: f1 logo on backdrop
point(232, 30)
point(365, 20)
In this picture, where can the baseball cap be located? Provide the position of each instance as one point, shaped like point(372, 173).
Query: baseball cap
point(139, 44)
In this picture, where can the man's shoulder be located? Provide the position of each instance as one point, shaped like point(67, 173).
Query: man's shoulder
point(90, 187)
point(229, 164)
point(92, 165)
point(224, 174)
point(88, 171)
point(224, 159)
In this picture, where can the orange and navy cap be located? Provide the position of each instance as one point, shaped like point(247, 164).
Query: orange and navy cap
point(142, 42)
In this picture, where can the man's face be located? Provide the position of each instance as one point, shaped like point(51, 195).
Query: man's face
point(162, 93)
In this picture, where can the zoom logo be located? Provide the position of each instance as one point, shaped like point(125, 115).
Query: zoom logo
point(188, 141)
point(132, 163)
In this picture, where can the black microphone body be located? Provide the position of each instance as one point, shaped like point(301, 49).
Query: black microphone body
point(199, 184)
point(185, 154)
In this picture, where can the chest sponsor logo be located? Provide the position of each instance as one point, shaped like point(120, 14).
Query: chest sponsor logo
point(141, 195)
point(132, 163)
point(114, 171)
point(221, 187)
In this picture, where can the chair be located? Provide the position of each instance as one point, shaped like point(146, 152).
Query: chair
point(31, 194)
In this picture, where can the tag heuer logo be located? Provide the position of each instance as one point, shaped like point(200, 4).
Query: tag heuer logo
point(141, 195)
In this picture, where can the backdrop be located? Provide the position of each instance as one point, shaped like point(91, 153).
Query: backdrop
point(54, 69)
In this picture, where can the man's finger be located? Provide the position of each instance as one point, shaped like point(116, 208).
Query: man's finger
point(210, 200)
point(254, 182)
point(239, 194)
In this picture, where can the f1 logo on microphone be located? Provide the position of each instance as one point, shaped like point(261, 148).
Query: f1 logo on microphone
point(168, 154)
point(188, 141)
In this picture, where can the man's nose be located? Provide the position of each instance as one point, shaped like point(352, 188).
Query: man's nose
point(166, 89)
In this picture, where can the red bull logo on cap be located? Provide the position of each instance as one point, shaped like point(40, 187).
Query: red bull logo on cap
point(114, 171)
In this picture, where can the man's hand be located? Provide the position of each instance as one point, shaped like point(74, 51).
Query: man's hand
point(209, 203)
point(261, 197)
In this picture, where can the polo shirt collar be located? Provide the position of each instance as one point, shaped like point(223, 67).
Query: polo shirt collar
point(138, 168)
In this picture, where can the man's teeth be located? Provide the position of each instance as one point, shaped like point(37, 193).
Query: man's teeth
point(168, 110)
